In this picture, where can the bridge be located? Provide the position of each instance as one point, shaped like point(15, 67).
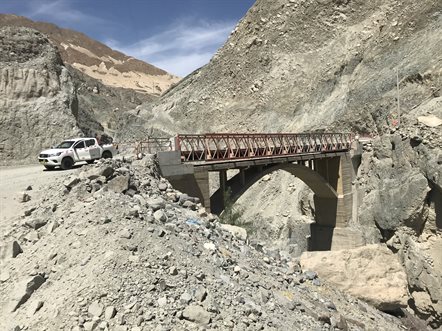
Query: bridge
point(324, 161)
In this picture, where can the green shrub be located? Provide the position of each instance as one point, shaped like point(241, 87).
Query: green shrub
point(233, 215)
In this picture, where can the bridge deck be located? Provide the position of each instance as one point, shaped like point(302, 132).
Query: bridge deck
point(262, 161)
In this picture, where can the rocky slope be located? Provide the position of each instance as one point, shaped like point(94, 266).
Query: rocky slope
point(109, 106)
point(97, 60)
point(300, 65)
point(38, 104)
point(115, 247)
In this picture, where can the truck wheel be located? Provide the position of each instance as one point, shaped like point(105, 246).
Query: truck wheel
point(90, 161)
point(67, 163)
point(49, 167)
point(107, 155)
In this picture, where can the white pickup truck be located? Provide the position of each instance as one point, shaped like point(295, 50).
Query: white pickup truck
point(71, 151)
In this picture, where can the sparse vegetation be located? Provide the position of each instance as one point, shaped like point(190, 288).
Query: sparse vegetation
point(232, 214)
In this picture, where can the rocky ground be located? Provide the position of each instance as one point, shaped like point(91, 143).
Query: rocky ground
point(114, 247)
point(12, 181)
point(290, 65)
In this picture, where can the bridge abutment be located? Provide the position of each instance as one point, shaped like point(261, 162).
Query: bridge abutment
point(184, 177)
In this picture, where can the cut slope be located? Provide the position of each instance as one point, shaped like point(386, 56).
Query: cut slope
point(38, 104)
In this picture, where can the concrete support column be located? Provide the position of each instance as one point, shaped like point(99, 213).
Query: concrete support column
point(202, 181)
point(242, 175)
point(326, 210)
point(338, 173)
point(345, 192)
point(223, 180)
point(222, 187)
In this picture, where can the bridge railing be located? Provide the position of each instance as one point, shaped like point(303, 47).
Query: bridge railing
point(151, 145)
point(225, 146)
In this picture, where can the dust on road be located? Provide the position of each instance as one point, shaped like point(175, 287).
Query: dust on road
point(14, 180)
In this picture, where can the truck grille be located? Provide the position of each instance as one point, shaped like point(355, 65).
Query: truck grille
point(43, 155)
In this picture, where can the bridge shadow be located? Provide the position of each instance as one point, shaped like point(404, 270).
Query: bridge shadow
point(321, 237)
point(325, 198)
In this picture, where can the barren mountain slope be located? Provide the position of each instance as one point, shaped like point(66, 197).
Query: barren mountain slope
point(109, 106)
point(38, 104)
point(97, 60)
point(299, 65)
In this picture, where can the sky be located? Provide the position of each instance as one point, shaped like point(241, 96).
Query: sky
point(178, 36)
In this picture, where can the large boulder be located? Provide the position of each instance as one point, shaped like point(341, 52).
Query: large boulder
point(236, 231)
point(423, 263)
point(24, 290)
point(371, 273)
point(119, 184)
point(391, 201)
point(401, 202)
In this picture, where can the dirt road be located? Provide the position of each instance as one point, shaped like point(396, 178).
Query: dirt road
point(14, 180)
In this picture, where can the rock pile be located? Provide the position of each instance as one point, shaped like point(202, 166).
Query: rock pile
point(115, 247)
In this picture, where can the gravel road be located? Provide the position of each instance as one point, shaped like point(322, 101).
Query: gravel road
point(14, 180)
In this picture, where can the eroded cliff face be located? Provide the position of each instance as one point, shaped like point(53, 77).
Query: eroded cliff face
point(302, 65)
point(38, 105)
point(399, 184)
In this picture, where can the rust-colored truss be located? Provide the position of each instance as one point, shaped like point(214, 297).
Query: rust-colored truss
point(225, 146)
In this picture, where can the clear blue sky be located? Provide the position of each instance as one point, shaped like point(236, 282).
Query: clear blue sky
point(176, 35)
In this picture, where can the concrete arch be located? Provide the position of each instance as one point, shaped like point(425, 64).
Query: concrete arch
point(331, 181)
point(325, 198)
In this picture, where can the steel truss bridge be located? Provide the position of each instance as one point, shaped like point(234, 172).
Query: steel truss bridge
point(212, 147)
point(324, 161)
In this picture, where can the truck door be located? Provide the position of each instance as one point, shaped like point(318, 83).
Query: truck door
point(80, 151)
point(93, 149)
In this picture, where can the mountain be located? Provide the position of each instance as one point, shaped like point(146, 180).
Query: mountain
point(295, 65)
point(98, 61)
point(371, 67)
point(38, 103)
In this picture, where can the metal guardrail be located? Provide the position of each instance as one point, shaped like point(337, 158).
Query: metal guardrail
point(153, 145)
point(226, 146)
point(150, 145)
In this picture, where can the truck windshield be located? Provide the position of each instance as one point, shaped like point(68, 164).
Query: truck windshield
point(65, 144)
